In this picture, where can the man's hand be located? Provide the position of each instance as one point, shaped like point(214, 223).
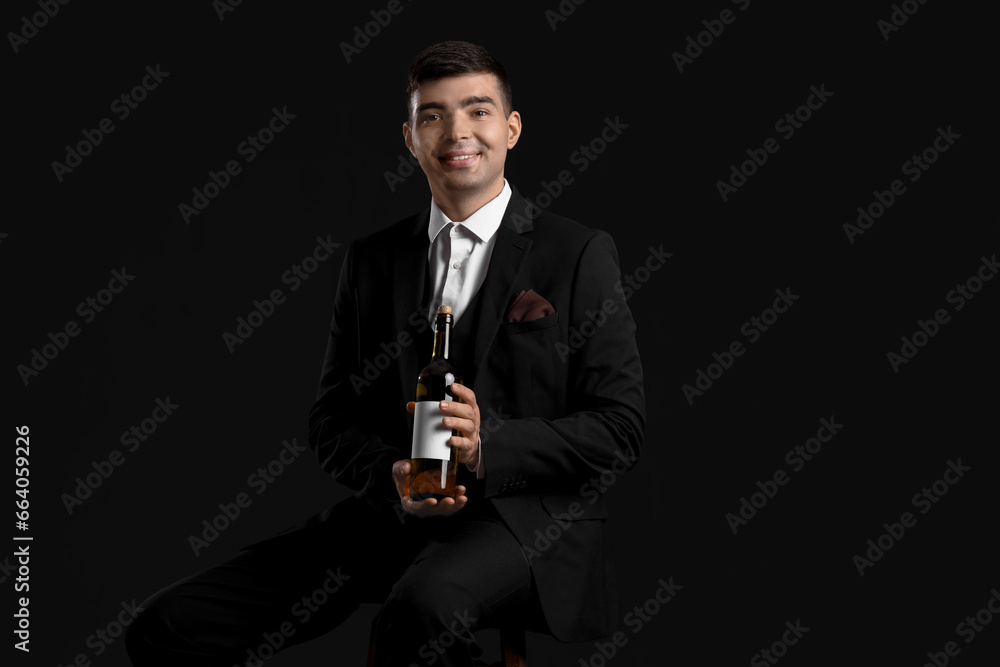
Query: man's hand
point(463, 417)
point(428, 506)
point(466, 419)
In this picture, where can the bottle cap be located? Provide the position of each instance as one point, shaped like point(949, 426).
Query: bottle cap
point(444, 310)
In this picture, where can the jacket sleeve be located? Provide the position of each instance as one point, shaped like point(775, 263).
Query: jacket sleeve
point(346, 449)
point(602, 427)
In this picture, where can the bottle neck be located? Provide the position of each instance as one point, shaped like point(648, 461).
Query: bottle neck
point(442, 337)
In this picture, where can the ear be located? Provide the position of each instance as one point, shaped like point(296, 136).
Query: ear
point(513, 129)
point(408, 137)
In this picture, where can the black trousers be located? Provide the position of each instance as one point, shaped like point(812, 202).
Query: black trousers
point(440, 579)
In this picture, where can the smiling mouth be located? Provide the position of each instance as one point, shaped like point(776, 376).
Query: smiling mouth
point(459, 160)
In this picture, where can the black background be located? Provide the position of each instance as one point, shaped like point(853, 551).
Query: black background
point(654, 186)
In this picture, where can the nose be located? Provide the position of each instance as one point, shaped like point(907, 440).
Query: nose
point(457, 129)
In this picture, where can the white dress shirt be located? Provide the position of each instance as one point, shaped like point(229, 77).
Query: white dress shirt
point(459, 256)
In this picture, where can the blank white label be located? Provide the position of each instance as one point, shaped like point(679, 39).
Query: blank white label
point(430, 436)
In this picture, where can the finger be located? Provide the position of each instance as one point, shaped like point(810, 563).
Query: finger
point(410, 506)
point(401, 470)
point(459, 389)
point(464, 396)
point(466, 452)
point(433, 507)
point(464, 392)
point(447, 506)
point(461, 443)
point(446, 503)
point(401, 477)
point(459, 417)
point(463, 424)
point(460, 501)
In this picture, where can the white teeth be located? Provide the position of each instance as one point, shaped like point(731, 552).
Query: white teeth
point(461, 157)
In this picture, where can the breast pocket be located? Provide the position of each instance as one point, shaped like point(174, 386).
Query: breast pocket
point(528, 357)
point(518, 328)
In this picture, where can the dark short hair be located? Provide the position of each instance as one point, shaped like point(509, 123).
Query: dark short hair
point(454, 58)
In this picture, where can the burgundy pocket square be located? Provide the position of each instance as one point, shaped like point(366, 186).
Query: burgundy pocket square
point(529, 305)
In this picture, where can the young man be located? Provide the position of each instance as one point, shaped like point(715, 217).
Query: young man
point(552, 374)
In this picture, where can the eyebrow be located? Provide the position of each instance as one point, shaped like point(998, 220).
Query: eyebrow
point(467, 102)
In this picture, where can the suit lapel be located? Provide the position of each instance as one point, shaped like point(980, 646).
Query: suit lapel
point(410, 270)
point(509, 254)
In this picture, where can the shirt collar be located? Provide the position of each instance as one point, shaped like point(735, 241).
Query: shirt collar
point(483, 223)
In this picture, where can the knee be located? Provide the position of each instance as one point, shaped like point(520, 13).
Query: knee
point(435, 602)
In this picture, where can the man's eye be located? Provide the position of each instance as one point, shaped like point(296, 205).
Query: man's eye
point(481, 113)
point(431, 116)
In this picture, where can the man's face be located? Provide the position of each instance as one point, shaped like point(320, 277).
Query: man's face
point(458, 132)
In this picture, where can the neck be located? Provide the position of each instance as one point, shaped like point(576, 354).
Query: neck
point(459, 205)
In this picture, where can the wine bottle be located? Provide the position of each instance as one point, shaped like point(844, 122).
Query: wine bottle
point(434, 463)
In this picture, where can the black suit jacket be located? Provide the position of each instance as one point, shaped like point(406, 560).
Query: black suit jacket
point(571, 383)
